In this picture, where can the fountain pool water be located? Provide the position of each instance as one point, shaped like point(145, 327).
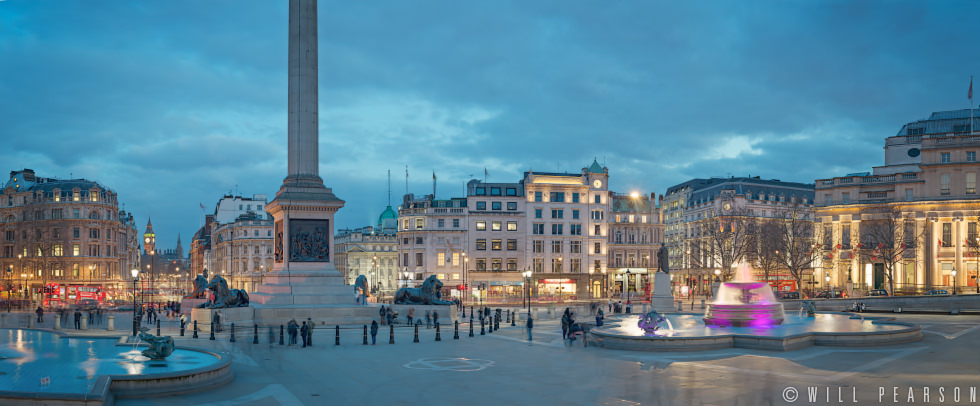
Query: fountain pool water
point(42, 362)
point(744, 303)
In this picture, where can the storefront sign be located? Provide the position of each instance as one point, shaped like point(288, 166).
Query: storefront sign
point(506, 283)
point(547, 281)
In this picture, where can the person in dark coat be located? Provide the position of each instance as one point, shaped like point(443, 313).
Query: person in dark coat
point(383, 315)
point(303, 331)
point(78, 319)
point(374, 331)
point(309, 332)
point(293, 329)
point(435, 317)
point(40, 314)
point(530, 325)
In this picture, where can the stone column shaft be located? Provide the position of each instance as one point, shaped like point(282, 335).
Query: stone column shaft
point(303, 119)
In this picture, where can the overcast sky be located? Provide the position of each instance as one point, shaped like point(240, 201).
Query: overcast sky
point(176, 103)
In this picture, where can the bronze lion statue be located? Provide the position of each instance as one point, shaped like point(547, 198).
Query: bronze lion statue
point(428, 294)
point(225, 297)
point(200, 288)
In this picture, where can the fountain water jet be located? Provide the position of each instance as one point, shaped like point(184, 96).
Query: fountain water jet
point(744, 302)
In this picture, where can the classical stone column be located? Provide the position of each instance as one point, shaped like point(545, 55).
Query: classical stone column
point(303, 109)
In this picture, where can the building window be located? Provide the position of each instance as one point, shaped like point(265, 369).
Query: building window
point(598, 230)
point(495, 205)
point(944, 184)
point(405, 259)
point(537, 213)
point(598, 248)
point(76, 250)
point(440, 258)
point(597, 265)
point(556, 265)
point(405, 224)
point(419, 223)
point(845, 197)
point(496, 226)
point(511, 264)
point(575, 198)
point(538, 197)
point(971, 183)
point(511, 206)
point(538, 229)
point(511, 245)
point(537, 246)
point(576, 265)
point(455, 223)
point(971, 156)
point(481, 205)
point(481, 264)
point(575, 212)
point(558, 197)
point(597, 215)
point(575, 247)
point(496, 264)
point(93, 233)
point(557, 213)
point(511, 191)
point(908, 194)
point(56, 250)
point(575, 229)
point(418, 259)
point(418, 240)
point(481, 244)
point(495, 191)
point(481, 226)
point(971, 234)
point(481, 191)
point(442, 223)
point(598, 199)
point(538, 264)
point(75, 232)
point(496, 244)
point(556, 229)
point(75, 213)
point(556, 247)
point(944, 157)
point(511, 226)
point(947, 235)
point(845, 235)
point(456, 259)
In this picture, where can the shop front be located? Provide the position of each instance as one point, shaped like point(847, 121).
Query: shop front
point(632, 283)
point(557, 289)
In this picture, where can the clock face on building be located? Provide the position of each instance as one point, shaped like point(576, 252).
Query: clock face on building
point(914, 152)
point(147, 239)
point(597, 183)
point(727, 206)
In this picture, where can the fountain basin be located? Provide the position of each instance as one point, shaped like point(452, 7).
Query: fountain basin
point(690, 333)
point(44, 367)
point(744, 315)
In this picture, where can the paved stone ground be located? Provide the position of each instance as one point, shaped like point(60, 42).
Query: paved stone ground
point(502, 368)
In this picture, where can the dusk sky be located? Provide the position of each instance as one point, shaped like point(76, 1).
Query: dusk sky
point(176, 103)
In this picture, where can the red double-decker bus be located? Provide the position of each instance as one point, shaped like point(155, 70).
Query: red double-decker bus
point(58, 295)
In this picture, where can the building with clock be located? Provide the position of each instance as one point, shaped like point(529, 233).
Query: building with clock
point(929, 183)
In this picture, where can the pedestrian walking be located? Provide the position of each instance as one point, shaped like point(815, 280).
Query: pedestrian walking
point(564, 325)
point(530, 325)
point(303, 331)
point(40, 314)
point(435, 317)
point(217, 320)
point(309, 332)
point(383, 314)
point(78, 319)
point(598, 318)
point(374, 331)
point(411, 314)
point(293, 329)
point(428, 319)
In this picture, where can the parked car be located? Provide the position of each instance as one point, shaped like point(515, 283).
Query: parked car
point(937, 292)
point(787, 295)
point(878, 292)
point(827, 294)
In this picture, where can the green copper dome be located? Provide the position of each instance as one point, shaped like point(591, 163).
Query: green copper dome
point(389, 213)
point(595, 168)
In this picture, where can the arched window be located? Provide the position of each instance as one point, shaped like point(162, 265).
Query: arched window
point(94, 215)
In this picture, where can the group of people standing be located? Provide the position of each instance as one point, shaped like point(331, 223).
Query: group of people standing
point(389, 316)
point(305, 331)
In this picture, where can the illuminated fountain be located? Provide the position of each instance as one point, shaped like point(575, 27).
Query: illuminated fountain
point(744, 302)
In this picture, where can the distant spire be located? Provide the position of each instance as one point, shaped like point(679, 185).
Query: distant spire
point(389, 187)
point(149, 225)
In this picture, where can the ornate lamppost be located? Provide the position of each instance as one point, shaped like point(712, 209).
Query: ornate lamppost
point(136, 277)
point(626, 287)
point(527, 287)
point(10, 274)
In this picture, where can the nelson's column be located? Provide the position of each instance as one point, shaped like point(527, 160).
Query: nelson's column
point(303, 209)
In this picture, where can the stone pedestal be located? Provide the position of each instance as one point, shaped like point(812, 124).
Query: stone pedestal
point(187, 304)
point(110, 324)
point(84, 322)
point(57, 322)
point(30, 321)
point(3, 319)
point(662, 299)
point(241, 316)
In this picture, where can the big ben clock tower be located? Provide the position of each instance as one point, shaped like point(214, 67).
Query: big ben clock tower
point(149, 239)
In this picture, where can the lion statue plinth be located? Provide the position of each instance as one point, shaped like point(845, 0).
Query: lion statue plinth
point(428, 294)
point(360, 286)
point(223, 296)
point(200, 288)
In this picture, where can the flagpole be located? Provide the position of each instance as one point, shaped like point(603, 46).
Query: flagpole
point(971, 104)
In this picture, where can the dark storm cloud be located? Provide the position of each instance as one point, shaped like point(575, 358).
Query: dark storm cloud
point(177, 103)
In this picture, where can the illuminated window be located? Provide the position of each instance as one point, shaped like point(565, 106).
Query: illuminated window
point(971, 183)
point(511, 245)
point(496, 226)
point(511, 226)
point(76, 250)
point(440, 258)
point(481, 226)
point(419, 223)
point(556, 247)
point(944, 184)
point(497, 264)
point(537, 246)
point(496, 244)
point(456, 259)
point(481, 244)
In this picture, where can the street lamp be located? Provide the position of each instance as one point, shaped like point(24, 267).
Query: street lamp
point(527, 287)
point(591, 293)
point(10, 274)
point(827, 279)
point(626, 286)
point(954, 281)
point(136, 277)
point(976, 279)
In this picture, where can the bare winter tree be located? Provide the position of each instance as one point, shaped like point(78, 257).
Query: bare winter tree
point(973, 247)
point(795, 240)
point(767, 246)
point(886, 238)
point(729, 238)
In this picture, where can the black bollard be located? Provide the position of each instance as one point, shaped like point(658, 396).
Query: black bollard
point(281, 328)
point(391, 332)
point(496, 324)
point(471, 327)
point(456, 330)
point(195, 329)
point(471, 312)
point(336, 335)
point(365, 334)
point(158, 328)
point(181, 328)
point(438, 336)
point(508, 317)
point(513, 318)
point(212, 331)
point(232, 332)
point(255, 337)
point(482, 332)
point(416, 334)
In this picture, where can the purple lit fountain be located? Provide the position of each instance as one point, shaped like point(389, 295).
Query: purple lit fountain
point(744, 303)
